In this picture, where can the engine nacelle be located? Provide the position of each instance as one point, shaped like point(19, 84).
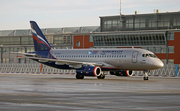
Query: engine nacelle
point(89, 71)
point(122, 73)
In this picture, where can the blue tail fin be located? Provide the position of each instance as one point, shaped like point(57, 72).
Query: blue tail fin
point(40, 41)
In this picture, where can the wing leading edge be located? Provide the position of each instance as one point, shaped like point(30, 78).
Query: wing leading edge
point(62, 62)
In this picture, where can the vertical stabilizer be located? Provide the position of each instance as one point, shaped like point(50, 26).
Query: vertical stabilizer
point(40, 41)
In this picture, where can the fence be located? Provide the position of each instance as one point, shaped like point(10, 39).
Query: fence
point(169, 70)
point(32, 68)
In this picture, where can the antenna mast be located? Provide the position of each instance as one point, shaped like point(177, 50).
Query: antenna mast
point(120, 10)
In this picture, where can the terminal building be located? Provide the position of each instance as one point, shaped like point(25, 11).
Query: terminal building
point(157, 32)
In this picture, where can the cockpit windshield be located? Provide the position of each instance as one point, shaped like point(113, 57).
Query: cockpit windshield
point(149, 55)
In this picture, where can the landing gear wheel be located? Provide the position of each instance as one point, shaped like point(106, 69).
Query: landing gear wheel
point(146, 75)
point(102, 76)
point(146, 78)
point(79, 76)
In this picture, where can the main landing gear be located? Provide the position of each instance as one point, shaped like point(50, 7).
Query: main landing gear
point(146, 75)
point(102, 76)
point(78, 76)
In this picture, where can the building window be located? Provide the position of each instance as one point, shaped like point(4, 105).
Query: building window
point(163, 21)
point(176, 21)
point(78, 44)
point(157, 50)
point(171, 61)
point(108, 24)
point(139, 22)
point(171, 36)
point(171, 49)
point(58, 39)
point(114, 24)
point(27, 41)
point(90, 38)
point(152, 22)
point(163, 50)
point(129, 23)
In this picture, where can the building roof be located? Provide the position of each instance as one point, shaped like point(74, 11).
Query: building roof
point(49, 31)
point(146, 14)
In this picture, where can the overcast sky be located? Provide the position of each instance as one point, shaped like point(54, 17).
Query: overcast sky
point(16, 14)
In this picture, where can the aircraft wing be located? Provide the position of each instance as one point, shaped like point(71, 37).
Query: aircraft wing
point(62, 62)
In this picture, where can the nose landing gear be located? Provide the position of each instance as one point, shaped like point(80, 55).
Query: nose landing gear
point(146, 75)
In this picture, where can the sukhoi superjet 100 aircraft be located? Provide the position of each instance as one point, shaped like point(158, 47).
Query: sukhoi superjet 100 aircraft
point(92, 62)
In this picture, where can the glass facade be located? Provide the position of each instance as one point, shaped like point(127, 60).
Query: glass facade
point(9, 40)
point(25, 44)
point(26, 41)
point(128, 39)
point(58, 39)
point(154, 21)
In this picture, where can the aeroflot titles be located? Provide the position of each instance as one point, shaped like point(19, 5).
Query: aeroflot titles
point(111, 51)
point(104, 52)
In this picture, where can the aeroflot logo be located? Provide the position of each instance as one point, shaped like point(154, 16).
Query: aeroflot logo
point(92, 52)
point(39, 38)
point(112, 52)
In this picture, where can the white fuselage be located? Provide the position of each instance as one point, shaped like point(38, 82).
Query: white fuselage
point(122, 59)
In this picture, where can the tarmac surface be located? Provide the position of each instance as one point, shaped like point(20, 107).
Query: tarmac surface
point(43, 92)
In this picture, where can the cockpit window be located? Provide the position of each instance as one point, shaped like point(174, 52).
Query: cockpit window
point(149, 55)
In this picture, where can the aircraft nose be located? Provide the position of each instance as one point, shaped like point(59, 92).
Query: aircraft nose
point(159, 64)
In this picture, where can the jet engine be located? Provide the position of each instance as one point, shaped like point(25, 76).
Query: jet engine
point(122, 73)
point(89, 71)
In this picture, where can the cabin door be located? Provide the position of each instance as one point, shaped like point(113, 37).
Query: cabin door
point(134, 57)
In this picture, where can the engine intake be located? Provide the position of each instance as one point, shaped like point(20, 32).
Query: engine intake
point(89, 71)
point(122, 73)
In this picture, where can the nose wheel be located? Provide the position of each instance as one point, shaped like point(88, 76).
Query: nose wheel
point(146, 75)
point(146, 78)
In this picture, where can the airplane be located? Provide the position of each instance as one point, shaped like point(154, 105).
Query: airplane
point(92, 62)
